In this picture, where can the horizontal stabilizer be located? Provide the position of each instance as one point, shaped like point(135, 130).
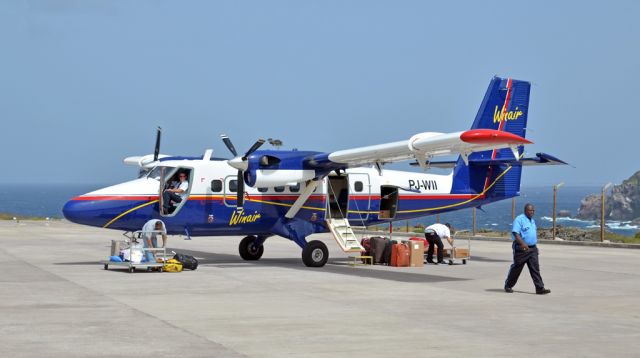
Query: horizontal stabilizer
point(539, 159)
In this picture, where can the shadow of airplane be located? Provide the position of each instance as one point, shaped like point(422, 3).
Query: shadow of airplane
point(337, 266)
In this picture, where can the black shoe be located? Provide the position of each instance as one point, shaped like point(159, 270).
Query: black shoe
point(430, 261)
point(508, 290)
point(441, 262)
point(543, 291)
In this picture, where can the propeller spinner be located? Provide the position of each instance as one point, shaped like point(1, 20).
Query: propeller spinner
point(241, 164)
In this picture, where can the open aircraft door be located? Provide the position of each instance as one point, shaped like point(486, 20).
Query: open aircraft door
point(359, 197)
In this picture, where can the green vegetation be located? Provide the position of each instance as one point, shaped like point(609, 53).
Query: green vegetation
point(9, 216)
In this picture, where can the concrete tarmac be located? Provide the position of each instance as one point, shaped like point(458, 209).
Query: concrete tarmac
point(57, 300)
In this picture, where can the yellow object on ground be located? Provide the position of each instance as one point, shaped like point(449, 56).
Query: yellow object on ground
point(172, 265)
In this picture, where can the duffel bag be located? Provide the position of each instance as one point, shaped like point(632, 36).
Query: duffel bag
point(188, 262)
point(172, 265)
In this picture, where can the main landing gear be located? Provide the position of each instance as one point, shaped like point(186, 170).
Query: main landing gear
point(314, 253)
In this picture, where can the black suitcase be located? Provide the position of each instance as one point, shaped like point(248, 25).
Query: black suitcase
point(386, 254)
point(188, 262)
point(377, 248)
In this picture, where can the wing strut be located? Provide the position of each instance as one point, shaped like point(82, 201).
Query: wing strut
point(306, 193)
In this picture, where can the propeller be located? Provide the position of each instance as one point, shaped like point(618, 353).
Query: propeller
point(156, 152)
point(241, 164)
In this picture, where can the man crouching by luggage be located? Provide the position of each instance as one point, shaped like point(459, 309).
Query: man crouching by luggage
point(434, 235)
point(150, 232)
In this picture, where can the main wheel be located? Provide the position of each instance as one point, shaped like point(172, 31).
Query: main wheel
point(315, 254)
point(248, 251)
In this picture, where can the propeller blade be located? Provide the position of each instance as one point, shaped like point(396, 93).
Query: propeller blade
point(156, 152)
point(229, 145)
point(240, 197)
point(253, 148)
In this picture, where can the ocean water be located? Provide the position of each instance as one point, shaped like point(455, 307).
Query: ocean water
point(48, 200)
point(497, 216)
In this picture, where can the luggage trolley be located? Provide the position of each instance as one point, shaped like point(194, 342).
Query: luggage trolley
point(453, 253)
point(131, 239)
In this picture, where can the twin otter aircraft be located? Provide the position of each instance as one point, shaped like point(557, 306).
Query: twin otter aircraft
point(294, 194)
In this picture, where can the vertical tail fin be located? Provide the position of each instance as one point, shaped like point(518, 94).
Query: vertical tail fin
point(505, 107)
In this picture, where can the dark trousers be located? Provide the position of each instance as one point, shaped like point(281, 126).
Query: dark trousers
point(434, 239)
point(167, 197)
point(520, 258)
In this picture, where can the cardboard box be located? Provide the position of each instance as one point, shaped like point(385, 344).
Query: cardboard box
point(416, 253)
point(461, 252)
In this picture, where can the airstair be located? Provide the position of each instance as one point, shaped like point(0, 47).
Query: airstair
point(344, 235)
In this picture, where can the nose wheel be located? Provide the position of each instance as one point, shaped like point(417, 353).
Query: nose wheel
point(315, 254)
point(248, 250)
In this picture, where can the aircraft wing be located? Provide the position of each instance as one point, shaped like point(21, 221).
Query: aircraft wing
point(539, 159)
point(425, 146)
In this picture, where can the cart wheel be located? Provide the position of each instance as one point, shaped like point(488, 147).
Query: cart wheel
point(464, 262)
point(131, 269)
point(450, 262)
point(106, 266)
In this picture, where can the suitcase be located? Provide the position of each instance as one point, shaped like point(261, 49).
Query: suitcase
point(403, 255)
point(386, 254)
point(188, 262)
point(377, 248)
point(399, 255)
point(366, 244)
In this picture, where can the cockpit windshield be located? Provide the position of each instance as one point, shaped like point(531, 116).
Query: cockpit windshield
point(156, 172)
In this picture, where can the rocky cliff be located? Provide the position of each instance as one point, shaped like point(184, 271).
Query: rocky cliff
point(623, 203)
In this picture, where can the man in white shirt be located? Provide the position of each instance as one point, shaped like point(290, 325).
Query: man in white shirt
point(175, 195)
point(150, 232)
point(434, 235)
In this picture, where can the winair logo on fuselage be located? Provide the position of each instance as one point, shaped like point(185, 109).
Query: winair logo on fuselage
point(239, 217)
point(502, 115)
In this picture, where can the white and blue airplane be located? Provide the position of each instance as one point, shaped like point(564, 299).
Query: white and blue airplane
point(295, 194)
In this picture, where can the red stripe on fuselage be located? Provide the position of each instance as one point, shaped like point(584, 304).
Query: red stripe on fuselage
point(276, 197)
point(118, 197)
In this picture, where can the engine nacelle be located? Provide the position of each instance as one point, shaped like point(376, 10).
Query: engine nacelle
point(270, 177)
point(277, 168)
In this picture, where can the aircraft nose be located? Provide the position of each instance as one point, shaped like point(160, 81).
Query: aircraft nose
point(79, 211)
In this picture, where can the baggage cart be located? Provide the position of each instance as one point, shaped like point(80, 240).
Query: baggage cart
point(455, 254)
point(136, 237)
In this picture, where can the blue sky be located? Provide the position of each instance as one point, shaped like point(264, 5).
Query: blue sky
point(83, 84)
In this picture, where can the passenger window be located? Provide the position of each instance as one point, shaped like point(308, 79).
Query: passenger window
point(294, 188)
point(216, 186)
point(263, 190)
point(358, 186)
point(279, 189)
point(233, 186)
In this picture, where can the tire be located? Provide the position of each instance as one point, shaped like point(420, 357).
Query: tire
point(464, 262)
point(131, 269)
point(315, 254)
point(249, 252)
point(106, 266)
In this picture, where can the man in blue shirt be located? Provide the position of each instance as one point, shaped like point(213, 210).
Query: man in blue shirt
point(525, 251)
